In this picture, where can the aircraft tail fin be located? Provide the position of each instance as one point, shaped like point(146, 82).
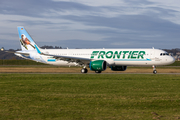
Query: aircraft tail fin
point(26, 41)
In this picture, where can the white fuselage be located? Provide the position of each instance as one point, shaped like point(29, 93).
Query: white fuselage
point(114, 57)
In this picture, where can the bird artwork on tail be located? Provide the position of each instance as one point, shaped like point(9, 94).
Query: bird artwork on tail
point(25, 41)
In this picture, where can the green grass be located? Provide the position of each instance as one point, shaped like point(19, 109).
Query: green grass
point(88, 97)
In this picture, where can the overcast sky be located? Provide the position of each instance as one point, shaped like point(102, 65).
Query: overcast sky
point(92, 23)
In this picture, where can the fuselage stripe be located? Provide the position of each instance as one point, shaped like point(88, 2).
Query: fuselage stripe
point(51, 60)
point(132, 59)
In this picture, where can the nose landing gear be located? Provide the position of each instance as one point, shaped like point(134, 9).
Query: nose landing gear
point(154, 69)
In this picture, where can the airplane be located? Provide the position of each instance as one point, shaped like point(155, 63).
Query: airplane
point(96, 59)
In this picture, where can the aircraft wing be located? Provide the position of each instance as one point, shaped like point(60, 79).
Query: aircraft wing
point(78, 60)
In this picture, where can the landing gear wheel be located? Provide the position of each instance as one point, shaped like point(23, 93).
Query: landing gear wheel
point(84, 70)
point(98, 71)
point(155, 72)
point(154, 69)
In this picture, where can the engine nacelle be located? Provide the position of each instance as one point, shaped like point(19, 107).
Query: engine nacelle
point(98, 65)
point(118, 68)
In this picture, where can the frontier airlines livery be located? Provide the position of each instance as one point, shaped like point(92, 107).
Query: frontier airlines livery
point(96, 59)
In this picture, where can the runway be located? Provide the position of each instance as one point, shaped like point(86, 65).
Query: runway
point(75, 70)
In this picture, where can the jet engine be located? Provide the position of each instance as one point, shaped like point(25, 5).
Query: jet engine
point(98, 65)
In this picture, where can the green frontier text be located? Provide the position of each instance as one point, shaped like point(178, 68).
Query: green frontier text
point(118, 54)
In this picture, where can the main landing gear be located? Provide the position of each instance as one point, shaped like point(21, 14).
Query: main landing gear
point(154, 69)
point(84, 70)
point(98, 71)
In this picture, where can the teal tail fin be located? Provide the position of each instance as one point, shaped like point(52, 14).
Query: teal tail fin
point(26, 41)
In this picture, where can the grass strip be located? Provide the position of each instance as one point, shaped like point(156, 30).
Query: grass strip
point(83, 96)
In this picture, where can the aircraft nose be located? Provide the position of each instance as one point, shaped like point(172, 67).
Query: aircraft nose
point(172, 60)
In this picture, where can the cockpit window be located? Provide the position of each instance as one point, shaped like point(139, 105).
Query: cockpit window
point(163, 54)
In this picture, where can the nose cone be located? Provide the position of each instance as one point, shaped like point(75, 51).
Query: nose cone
point(171, 60)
